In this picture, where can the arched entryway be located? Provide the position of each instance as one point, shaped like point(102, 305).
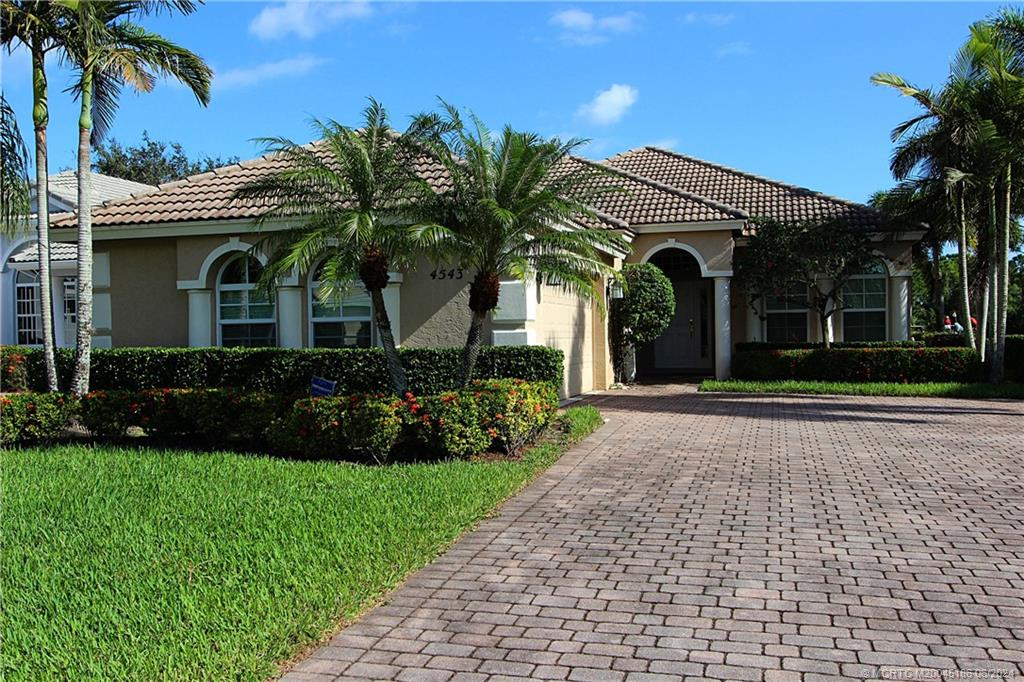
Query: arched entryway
point(687, 345)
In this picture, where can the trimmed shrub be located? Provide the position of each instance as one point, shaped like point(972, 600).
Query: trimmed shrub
point(513, 411)
point(451, 423)
point(33, 417)
point(285, 370)
point(744, 346)
point(943, 339)
point(364, 425)
point(14, 369)
point(900, 365)
point(642, 314)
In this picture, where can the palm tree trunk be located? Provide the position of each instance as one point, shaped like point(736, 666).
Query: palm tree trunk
point(83, 337)
point(965, 294)
point(472, 349)
point(938, 285)
point(40, 119)
point(396, 372)
point(1003, 277)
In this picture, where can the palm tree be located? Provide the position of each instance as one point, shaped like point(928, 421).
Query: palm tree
point(512, 200)
point(14, 191)
point(39, 26)
point(109, 51)
point(350, 194)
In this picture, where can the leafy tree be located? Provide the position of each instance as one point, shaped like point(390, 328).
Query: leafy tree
point(14, 191)
point(816, 258)
point(109, 51)
point(512, 197)
point(350, 193)
point(641, 315)
point(152, 162)
point(41, 27)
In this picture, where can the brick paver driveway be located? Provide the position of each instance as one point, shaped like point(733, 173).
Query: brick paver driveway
point(731, 537)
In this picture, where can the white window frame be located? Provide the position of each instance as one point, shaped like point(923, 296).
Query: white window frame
point(35, 297)
point(70, 319)
point(882, 274)
point(783, 311)
point(312, 286)
point(219, 286)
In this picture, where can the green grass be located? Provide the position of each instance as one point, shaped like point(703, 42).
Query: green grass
point(940, 390)
point(134, 563)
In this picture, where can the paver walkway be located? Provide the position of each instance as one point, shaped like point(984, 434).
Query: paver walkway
point(731, 537)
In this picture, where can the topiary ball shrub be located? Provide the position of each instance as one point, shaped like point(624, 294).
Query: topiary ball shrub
point(642, 314)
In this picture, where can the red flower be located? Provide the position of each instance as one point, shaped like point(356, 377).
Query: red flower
point(499, 416)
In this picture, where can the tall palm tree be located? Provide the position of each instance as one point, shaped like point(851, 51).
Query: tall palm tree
point(349, 193)
point(109, 51)
point(512, 197)
point(39, 26)
point(14, 191)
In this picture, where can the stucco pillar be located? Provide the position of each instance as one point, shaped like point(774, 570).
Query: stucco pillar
point(200, 313)
point(289, 317)
point(827, 285)
point(723, 327)
point(901, 308)
point(755, 328)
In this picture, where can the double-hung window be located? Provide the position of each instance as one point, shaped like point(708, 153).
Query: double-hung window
point(245, 314)
point(864, 305)
point(27, 308)
point(342, 319)
point(786, 316)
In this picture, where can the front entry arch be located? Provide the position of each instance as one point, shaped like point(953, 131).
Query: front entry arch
point(687, 345)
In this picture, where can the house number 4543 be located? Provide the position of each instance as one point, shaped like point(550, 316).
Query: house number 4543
point(441, 273)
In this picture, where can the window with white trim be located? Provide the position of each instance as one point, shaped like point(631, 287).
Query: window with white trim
point(70, 310)
point(786, 317)
point(864, 305)
point(341, 320)
point(245, 315)
point(27, 309)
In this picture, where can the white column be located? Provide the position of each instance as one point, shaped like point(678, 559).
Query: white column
point(289, 317)
point(827, 285)
point(723, 325)
point(199, 315)
point(901, 308)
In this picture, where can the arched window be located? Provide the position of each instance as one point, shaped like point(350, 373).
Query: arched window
point(27, 309)
point(245, 315)
point(339, 321)
point(864, 305)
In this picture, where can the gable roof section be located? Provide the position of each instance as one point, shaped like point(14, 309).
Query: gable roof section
point(64, 186)
point(757, 196)
point(208, 196)
point(642, 201)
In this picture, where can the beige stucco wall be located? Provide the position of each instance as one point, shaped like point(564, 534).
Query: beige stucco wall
point(714, 246)
point(435, 312)
point(566, 322)
point(146, 307)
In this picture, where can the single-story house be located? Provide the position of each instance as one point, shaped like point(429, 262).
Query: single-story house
point(176, 265)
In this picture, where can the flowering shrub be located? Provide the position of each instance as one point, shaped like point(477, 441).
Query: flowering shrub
point(13, 370)
point(31, 417)
point(450, 424)
point(514, 411)
point(501, 414)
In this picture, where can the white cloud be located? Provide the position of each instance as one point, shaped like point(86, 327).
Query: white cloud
point(666, 143)
point(734, 49)
point(254, 75)
point(610, 105)
point(306, 18)
point(584, 28)
point(709, 18)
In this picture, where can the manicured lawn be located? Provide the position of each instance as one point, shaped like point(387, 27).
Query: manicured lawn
point(134, 563)
point(941, 390)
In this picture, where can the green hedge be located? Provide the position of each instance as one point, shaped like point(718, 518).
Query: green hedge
point(430, 370)
point(901, 365)
point(501, 414)
point(744, 346)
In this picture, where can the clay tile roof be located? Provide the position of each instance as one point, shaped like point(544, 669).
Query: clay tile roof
point(757, 196)
point(208, 196)
point(642, 201)
point(104, 187)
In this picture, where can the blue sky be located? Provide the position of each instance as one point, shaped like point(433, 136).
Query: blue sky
point(776, 89)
